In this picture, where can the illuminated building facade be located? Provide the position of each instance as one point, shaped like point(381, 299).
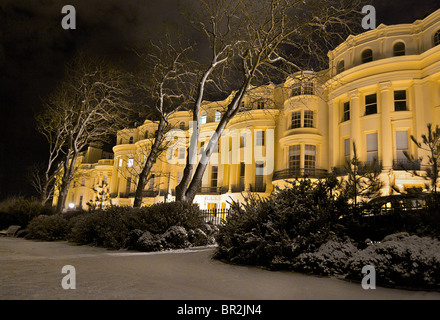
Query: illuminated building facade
point(382, 86)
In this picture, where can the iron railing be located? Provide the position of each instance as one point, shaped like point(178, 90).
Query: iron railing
point(215, 216)
point(293, 173)
point(404, 164)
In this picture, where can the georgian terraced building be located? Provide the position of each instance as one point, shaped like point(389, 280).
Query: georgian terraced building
point(382, 87)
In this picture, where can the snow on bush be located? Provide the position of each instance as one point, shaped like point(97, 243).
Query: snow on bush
point(330, 259)
point(400, 260)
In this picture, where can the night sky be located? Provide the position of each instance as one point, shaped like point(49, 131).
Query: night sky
point(34, 49)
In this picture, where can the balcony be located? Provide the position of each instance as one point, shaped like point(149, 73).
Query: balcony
point(145, 193)
point(299, 173)
point(404, 164)
point(210, 190)
point(362, 167)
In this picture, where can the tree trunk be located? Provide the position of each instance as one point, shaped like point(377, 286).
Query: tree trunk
point(65, 183)
point(152, 157)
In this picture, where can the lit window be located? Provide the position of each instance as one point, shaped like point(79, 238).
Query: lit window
point(367, 55)
point(370, 104)
point(347, 150)
point(296, 120)
point(128, 186)
point(120, 162)
point(308, 88)
point(437, 38)
point(296, 89)
point(203, 118)
point(346, 111)
point(218, 116)
point(303, 87)
point(260, 138)
point(372, 147)
point(130, 163)
point(294, 156)
point(399, 49)
point(259, 179)
point(400, 100)
point(340, 67)
point(308, 119)
point(242, 140)
point(309, 156)
point(401, 145)
point(214, 176)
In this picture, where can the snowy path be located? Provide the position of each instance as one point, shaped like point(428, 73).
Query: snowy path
point(32, 270)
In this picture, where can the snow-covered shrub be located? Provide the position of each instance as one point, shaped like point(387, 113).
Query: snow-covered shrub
point(48, 228)
point(268, 231)
point(175, 237)
point(197, 237)
point(400, 260)
point(330, 259)
point(149, 242)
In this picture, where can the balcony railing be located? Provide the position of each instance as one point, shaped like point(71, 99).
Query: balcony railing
point(362, 167)
point(210, 190)
point(299, 173)
point(145, 193)
point(404, 164)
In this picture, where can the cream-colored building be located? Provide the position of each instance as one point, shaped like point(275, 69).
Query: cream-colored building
point(382, 87)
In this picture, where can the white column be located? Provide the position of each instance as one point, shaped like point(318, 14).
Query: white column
point(385, 135)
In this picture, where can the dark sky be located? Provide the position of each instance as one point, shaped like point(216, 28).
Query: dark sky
point(34, 49)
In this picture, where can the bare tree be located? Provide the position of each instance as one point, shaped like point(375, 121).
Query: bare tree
point(87, 107)
point(261, 38)
point(166, 85)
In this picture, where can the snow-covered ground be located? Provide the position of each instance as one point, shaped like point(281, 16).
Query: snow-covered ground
point(32, 270)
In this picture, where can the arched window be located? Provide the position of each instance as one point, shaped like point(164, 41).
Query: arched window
point(437, 38)
point(340, 67)
point(399, 49)
point(131, 140)
point(203, 118)
point(367, 55)
point(182, 125)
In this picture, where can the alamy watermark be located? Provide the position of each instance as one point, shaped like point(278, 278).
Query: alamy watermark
point(69, 280)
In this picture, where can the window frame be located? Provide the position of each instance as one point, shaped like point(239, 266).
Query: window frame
point(369, 105)
point(365, 58)
point(399, 101)
point(399, 52)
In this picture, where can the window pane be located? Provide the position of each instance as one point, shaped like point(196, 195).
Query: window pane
point(347, 147)
point(294, 156)
point(399, 49)
point(372, 142)
point(400, 100)
point(346, 111)
point(259, 166)
point(402, 140)
point(218, 116)
point(308, 119)
point(203, 118)
point(308, 88)
point(370, 104)
point(296, 120)
point(260, 138)
point(309, 156)
point(130, 163)
point(341, 66)
point(367, 56)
